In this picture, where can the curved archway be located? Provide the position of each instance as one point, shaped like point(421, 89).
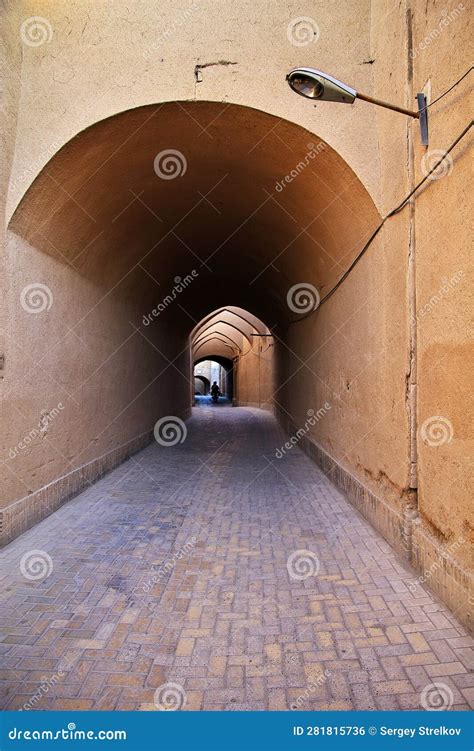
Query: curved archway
point(201, 385)
point(139, 229)
point(249, 378)
point(288, 214)
point(215, 369)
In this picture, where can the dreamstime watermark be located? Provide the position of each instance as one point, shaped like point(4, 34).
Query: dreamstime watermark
point(313, 150)
point(167, 567)
point(170, 164)
point(36, 565)
point(35, 31)
point(303, 298)
point(36, 298)
point(180, 285)
point(169, 697)
point(44, 687)
point(444, 290)
point(436, 565)
point(179, 20)
point(302, 564)
point(431, 159)
point(437, 697)
point(311, 688)
point(66, 734)
point(434, 34)
point(313, 418)
point(302, 31)
point(45, 421)
point(30, 172)
point(169, 430)
point(436, 430)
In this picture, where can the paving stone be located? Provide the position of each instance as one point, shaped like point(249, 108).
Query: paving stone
point(175, 568)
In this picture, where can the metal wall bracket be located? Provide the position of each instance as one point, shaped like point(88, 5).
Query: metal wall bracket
point(423, 110)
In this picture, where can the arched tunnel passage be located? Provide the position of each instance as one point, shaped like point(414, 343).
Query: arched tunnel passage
point(244, 347)
point(217, 370)
point(156, 226)
point(125, 278)
point(155, 229)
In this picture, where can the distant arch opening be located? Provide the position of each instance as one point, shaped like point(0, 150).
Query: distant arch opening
point(201, 384)
point(235, 349)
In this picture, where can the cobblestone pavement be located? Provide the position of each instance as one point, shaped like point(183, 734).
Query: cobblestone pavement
point(173, 570)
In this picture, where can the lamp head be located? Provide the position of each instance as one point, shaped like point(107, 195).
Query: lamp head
point(314, 84)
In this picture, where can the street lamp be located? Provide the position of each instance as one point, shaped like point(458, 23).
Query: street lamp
point(314, 84)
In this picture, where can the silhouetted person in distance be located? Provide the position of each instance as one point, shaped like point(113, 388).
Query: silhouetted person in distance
point(215, 391)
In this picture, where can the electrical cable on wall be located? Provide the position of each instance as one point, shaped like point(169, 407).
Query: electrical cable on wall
point(451, 87)
point(391, 213)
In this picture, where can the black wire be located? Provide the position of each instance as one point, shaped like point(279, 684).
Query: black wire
point(391, 213)
point(451, 87)
point(401, 205)
point(418, 185)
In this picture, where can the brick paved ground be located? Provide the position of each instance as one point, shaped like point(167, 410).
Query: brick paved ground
point(173, 569)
